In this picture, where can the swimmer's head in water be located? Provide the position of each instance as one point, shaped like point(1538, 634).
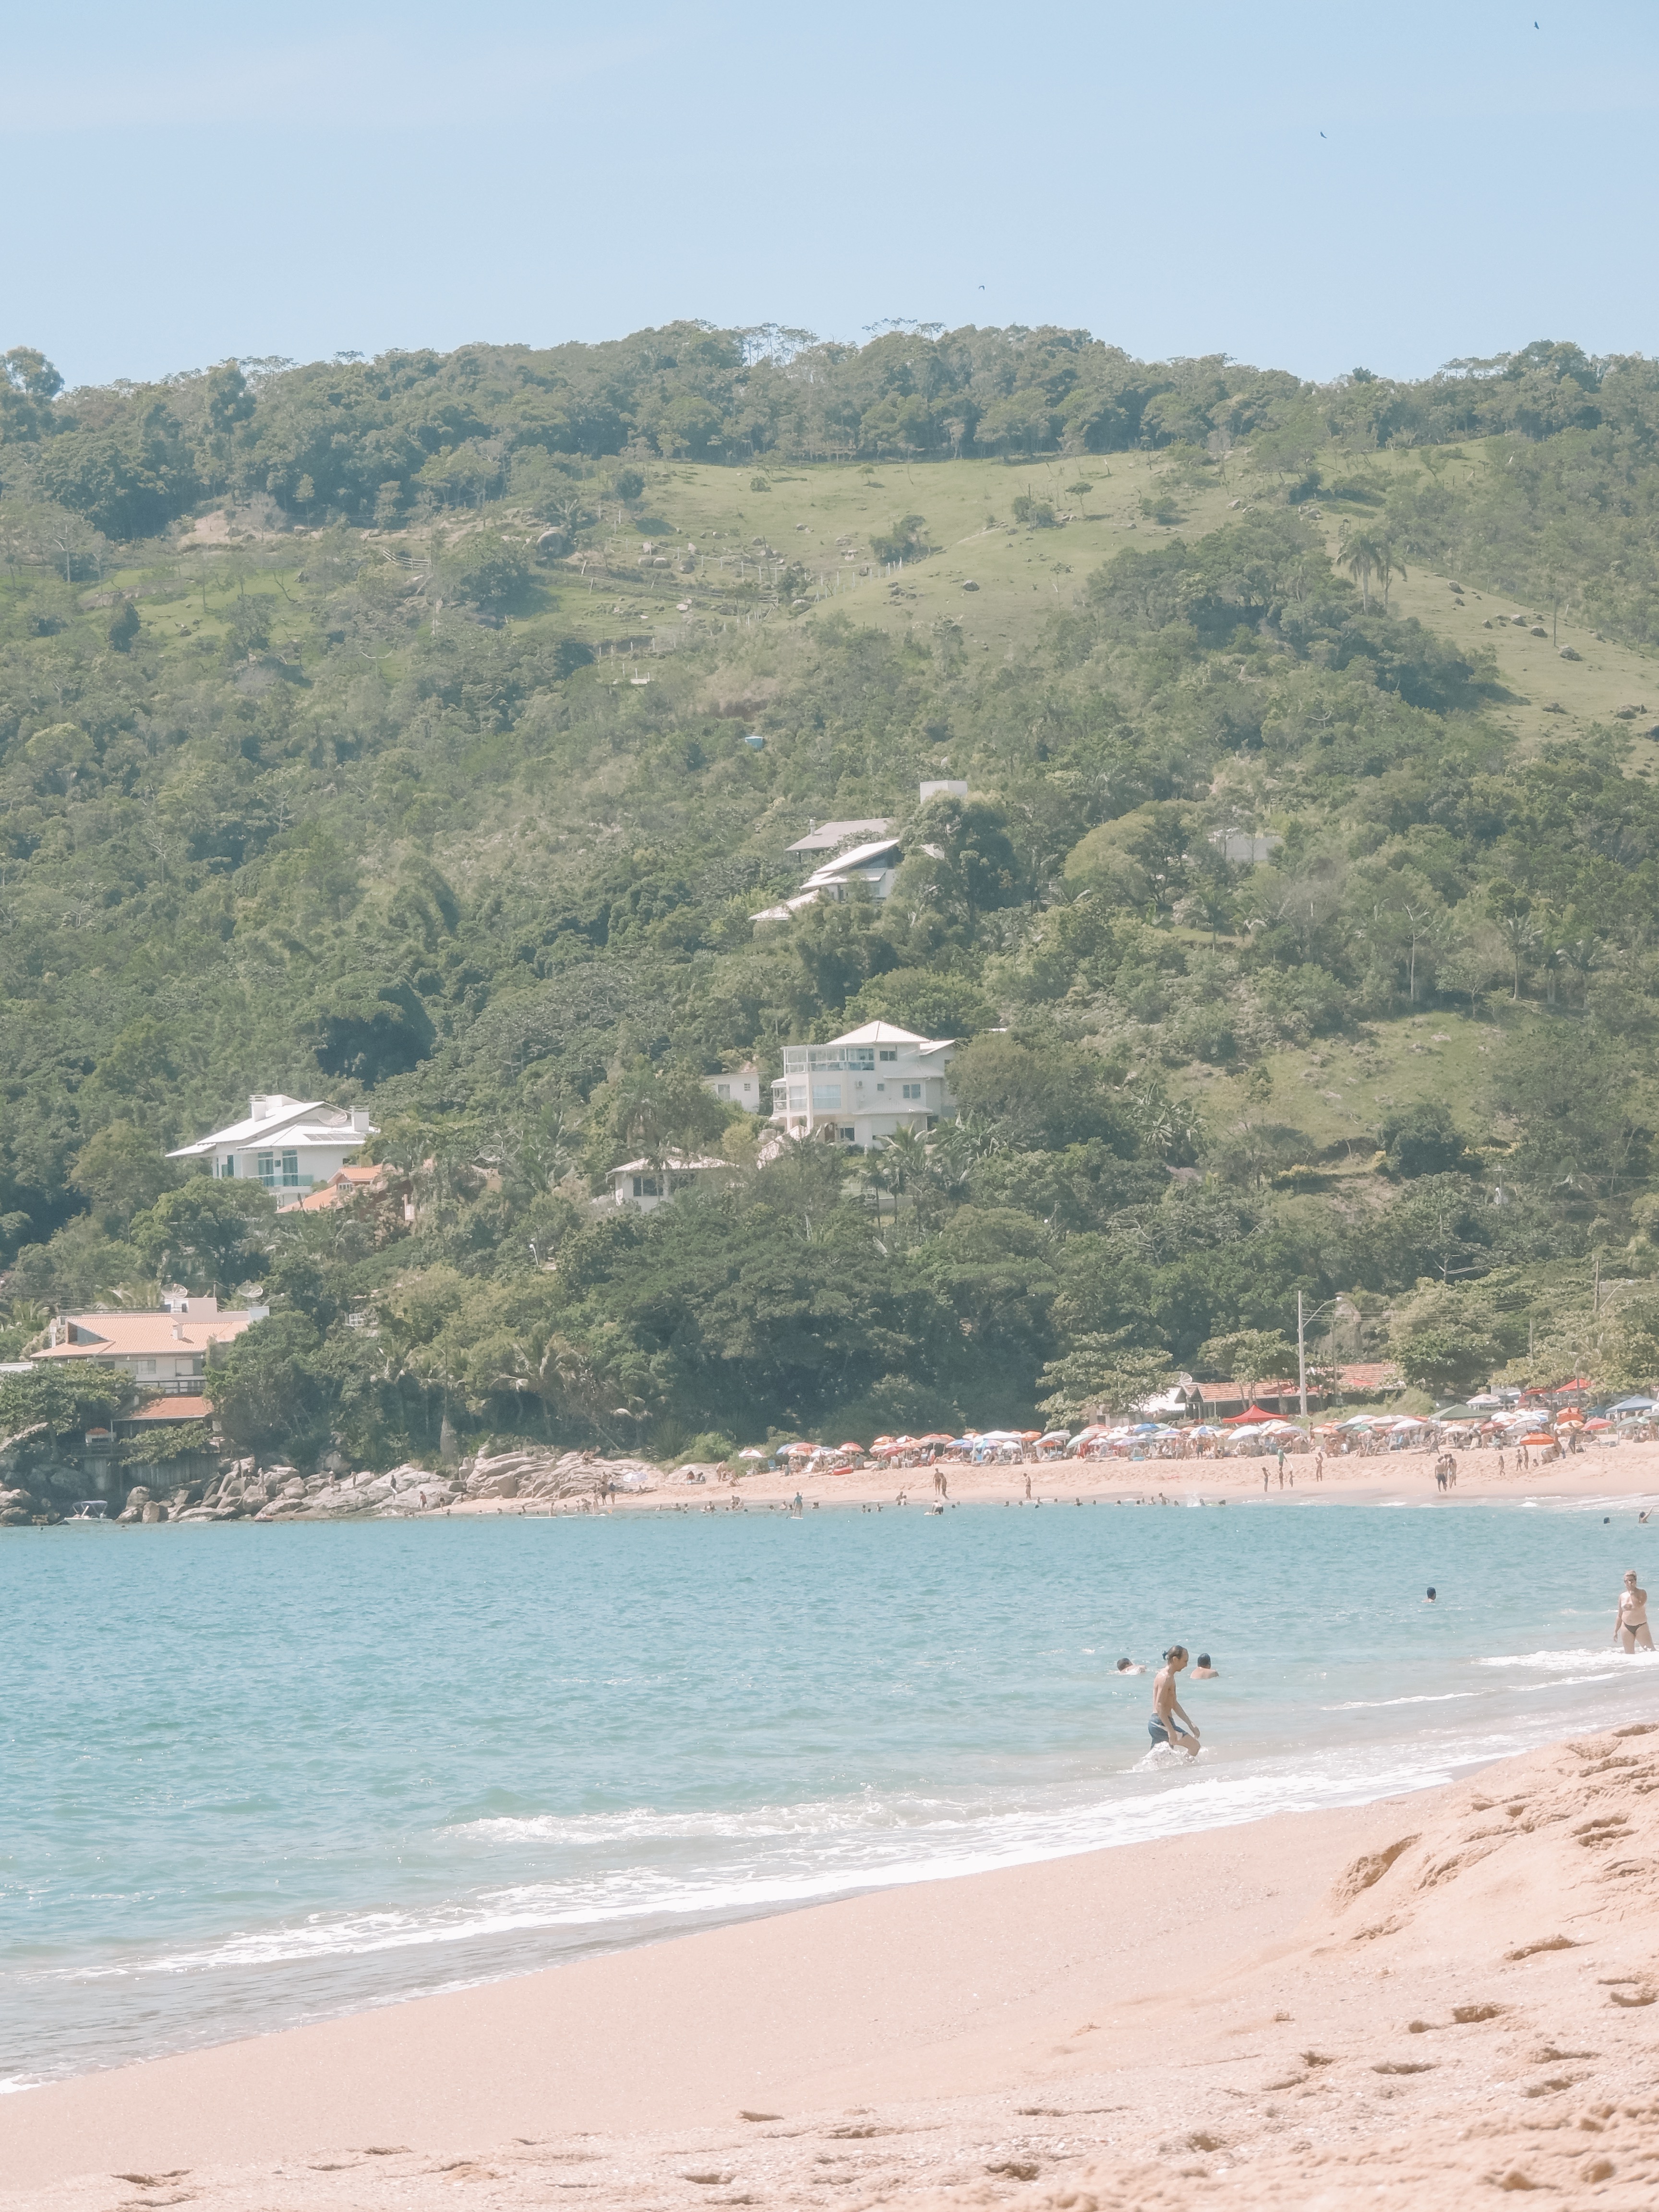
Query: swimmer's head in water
point(1203, 1658)
point(1430, 1589)
point(1124, 1665)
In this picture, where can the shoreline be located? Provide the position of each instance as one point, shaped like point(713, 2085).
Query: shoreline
point(1376, 2002)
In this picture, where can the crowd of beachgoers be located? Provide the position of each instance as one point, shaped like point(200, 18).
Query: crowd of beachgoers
point(1541, 1431)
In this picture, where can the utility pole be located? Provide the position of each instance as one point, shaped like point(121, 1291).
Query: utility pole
point(1301, 1356)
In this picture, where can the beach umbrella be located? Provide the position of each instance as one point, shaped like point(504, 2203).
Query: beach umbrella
point(751, 1451)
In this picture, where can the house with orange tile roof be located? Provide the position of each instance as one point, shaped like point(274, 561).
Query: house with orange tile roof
point(166, 1351)
point(342, 1187)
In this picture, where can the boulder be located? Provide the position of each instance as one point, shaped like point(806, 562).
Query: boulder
point(551, 1476)
point(137, 1499)
point(17, 1507)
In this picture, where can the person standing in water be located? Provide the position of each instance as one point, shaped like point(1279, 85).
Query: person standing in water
point(1167, 1709)
point(1631, 1628)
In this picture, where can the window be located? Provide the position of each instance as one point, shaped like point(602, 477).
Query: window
point(826, 1098)
point(722, 1090)
point(797, 1099)
point(911, 1090)
point(147, 1367)
point(888, 1055)
point(881, 1086)
point(646, 1187)
point(850, 1136)
point(230, 1165)
point(290, 1170)
point(265, 1163)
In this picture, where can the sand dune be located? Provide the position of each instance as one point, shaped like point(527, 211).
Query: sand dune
point(1411, 2004)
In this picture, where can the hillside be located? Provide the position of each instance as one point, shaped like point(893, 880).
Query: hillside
point(430, 790)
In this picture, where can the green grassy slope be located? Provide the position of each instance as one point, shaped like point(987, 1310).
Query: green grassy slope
point(349, 816)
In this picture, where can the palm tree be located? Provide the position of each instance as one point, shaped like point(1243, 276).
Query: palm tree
point(1363, 558)
point(1387, 566)
point(1522, 939)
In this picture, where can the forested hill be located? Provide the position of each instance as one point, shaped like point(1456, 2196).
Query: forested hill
point(381, 731)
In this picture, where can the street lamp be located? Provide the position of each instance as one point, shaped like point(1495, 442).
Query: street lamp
point(1301, 1320)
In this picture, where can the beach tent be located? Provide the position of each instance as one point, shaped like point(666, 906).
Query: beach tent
point(1637, 1405)
point(1251, 1413)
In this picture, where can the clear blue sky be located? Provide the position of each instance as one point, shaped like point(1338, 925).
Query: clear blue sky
point(187, 181)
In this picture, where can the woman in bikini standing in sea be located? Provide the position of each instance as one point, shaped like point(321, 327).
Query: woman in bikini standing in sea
point(1631, 1628)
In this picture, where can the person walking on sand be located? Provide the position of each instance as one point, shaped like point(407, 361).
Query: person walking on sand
point(1167, 1709)
point(1319, 1466)
point(1631, 1628)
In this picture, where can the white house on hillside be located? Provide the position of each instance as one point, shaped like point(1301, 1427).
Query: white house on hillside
point(651, 1183)
point(864, 1086)
point(287, 1143)
point(742, 1087)
point(875, 864)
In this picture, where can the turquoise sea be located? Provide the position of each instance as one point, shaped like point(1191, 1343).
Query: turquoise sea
point(258, 1776)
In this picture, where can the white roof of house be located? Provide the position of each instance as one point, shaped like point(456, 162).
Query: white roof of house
point(673, 1166)
point(294, 1121)
point(829, 835)
point(788, 907)
point(861, 856)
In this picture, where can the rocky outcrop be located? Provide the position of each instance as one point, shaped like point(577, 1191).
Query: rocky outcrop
point(243, 1490)
point(17, 1508)
point(553, 1477)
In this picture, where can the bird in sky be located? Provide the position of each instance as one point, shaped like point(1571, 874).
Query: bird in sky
point(1321, 134)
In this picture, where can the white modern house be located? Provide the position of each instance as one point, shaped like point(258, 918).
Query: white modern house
point(648, 1184)
point(862, 1087)
point(874, 864)
point(742, 1087)
point(289, 1145)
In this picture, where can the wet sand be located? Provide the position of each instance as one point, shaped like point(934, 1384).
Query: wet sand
point(1410, 2004)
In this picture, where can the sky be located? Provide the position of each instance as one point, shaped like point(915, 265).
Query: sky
point(1312, 187)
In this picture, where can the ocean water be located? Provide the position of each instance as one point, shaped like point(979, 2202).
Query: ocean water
point(254, 1777)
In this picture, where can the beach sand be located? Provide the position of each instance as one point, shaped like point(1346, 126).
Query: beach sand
point(1612, 1471)
point(1410, 2003)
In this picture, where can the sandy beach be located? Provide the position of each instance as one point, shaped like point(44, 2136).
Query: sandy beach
point(1626, 1470)
point(1404, 2004)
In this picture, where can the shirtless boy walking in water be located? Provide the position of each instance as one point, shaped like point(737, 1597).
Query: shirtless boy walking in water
point(1166, 1709)
point(1631, 1628)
